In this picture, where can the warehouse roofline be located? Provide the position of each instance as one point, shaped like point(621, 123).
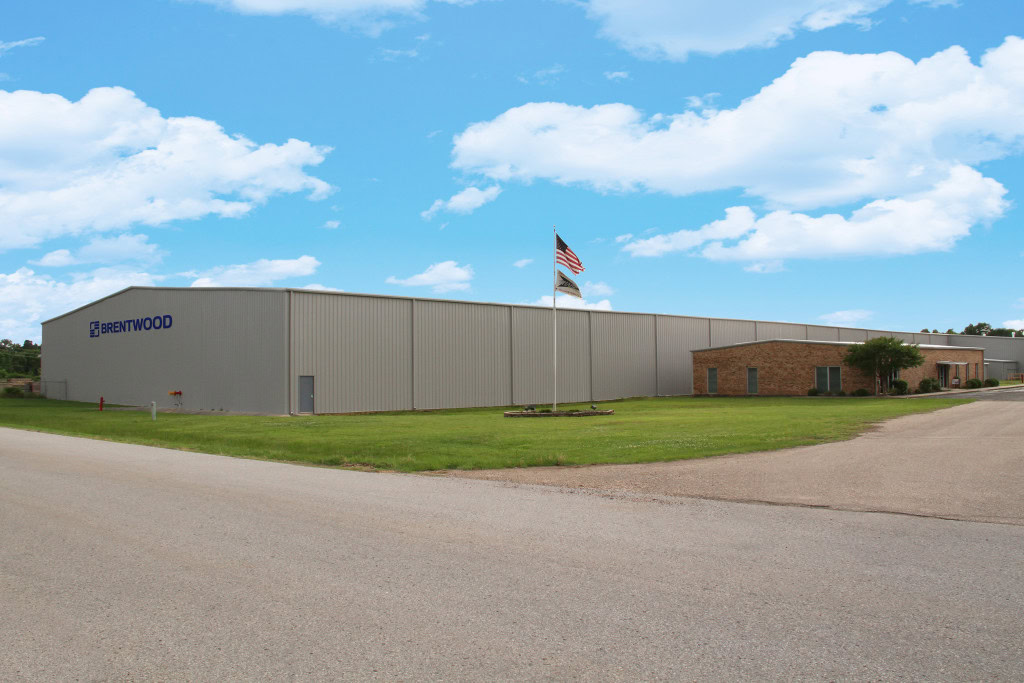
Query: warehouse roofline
point(833, 343)
point(480, 303)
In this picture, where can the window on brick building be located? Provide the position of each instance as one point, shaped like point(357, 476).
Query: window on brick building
point(712, 380)
point(751, 380)
point(828, 379)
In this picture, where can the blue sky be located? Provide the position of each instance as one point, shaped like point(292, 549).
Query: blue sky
point(844, 161)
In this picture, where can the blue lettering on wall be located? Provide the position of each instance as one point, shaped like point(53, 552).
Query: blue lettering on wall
point(151, 322)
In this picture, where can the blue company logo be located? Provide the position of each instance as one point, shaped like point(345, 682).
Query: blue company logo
point(153, 322)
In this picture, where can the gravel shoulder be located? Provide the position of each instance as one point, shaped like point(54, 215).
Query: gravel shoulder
point(964, 463)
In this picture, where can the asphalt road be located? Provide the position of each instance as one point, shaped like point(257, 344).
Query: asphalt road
point(962, 463)
point(128, 562)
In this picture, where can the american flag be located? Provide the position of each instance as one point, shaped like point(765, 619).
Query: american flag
point(566, 256)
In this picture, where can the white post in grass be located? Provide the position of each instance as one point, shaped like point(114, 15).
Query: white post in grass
point(152, 409)
point(554, 322)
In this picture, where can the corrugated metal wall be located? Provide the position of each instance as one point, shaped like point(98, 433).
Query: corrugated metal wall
point(229, 349)
point(358, 349)
point(225, 350)
point(676, 338)
point(780, 331)
point(463, 355)
point(531, 356)
point(822, 333)
point(625, 357)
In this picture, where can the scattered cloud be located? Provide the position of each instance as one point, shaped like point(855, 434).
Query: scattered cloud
point(547, 76)
point(765, 267)
point(447, 276)
point(624, 238)
point(669, 29)
point(371, 16)
point(595, 289)
point(28, 298)
point(523, 262)
point(261, 273)
point(331, 225)
point(705, 101)
point(616, 75)
point(109, 161)
point(467, 201)
point(27, 42)
point(844, 318)
point(321, 288)
point(109, 250)
point(389, 55)
point(899, 138)
point(1014, 324)
point(566, 301)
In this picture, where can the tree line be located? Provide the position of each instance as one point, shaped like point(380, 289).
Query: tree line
point(19, 360)
point(982, 330)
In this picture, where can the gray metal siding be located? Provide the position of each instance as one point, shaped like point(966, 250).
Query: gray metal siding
point(625, 362)
point(531, 359)
point(781, 331)
point(677, 337)
point(359, 349)
point(823, 333)
point(724, 332)
point(995, 347)
point(226, 350)
point(463, 356)
point(846, 334)
point(908, 337)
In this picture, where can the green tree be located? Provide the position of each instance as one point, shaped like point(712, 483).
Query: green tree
point(980, 329)
point(881, 357)
point(1001, 332)
point(950, 331)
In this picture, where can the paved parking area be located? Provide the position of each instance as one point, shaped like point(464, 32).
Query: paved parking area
point(125, 562)
point(964, 463)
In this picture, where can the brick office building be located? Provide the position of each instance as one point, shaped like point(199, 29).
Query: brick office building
point(789, 367)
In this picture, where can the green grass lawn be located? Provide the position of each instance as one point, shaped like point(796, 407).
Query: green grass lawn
point(642, 430)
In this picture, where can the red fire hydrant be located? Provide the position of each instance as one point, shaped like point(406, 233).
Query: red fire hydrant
point(101, 403)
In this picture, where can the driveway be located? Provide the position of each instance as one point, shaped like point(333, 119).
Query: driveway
point(125, 562)
point(964, 463)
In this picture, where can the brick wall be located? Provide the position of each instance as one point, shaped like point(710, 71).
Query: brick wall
point(788, 368)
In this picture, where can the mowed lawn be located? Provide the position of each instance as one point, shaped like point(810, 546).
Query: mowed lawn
point(642, 430)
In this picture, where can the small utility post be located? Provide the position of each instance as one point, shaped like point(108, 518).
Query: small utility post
point(152, 408)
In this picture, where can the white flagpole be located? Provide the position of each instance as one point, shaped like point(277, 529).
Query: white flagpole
point(554, 321)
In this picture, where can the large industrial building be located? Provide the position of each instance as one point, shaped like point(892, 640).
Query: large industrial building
point(279, 351)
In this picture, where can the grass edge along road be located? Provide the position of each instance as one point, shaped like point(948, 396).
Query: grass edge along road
point(642, 430)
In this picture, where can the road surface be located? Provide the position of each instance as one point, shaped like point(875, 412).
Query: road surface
point(129, 562)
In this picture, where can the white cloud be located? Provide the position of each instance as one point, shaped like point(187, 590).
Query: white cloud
point(566, 301)
point(523, 262)
point(331, 225)
point(932, 220)
point(834, 130)
point(56, 259)
point(321, 288)
point(844, 318)
point(624, 238)
point(545, 76)
point(673, 29)
point(594, 289)
point(261, 273)
point(616, 75)
point(1014, 324)
point(446, 276)
point(108, 161)
point(372, 16)
point(464, 202)
point(27, 42)
point(27, 298)
point(125, 247)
